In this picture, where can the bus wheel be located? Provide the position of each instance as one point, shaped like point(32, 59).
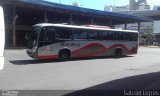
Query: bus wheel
point(64, 55)
point(118, 52)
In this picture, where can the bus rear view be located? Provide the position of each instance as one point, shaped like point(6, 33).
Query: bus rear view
point(2, 38)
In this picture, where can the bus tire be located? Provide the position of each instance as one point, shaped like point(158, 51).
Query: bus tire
point(118, 52)
point(64, 55)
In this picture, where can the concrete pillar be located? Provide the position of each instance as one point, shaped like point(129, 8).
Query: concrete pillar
point(139, 26)
point(14, 27)
point(45, 17)
point(92, 20)
point(125, 26)
point(110, 22)
point(71, 19)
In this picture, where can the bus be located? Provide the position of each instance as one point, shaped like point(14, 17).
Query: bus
point(2, 38)
point(60, 41)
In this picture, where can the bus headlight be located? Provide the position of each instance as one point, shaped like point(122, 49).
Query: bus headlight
point(34, 50)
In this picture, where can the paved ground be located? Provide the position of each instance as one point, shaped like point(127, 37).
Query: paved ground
point(140, 71)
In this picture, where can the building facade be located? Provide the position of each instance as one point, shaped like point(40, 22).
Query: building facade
point(134, 6)
point(156, 22)
point(116, 8)
point(140, 5)
point(156, 8)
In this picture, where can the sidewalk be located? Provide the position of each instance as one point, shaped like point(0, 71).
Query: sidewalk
point(150, 46)
point(15, 48)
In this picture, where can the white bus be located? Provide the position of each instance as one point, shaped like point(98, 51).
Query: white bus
point(58, 41)
point(2, 38)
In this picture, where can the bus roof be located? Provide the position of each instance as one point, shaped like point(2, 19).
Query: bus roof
point(81, 27)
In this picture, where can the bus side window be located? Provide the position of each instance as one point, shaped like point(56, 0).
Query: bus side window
point(79, 34)
point(107, 35)
point(131, 36)
point(50, 34)
point(127, 36)
point(47, 34)
point(42, 35)
point(119, 35)
point(135, 36)
point(93, 35)
point(63, 33)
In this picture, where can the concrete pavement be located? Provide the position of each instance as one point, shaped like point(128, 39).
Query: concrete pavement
point(139, 71)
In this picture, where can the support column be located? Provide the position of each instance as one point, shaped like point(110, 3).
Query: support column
point(45, 17)
point(14, 27)
point(71, 19)
point(125, 26)
point(139, 26)
point(110, 23)
point(92, 20)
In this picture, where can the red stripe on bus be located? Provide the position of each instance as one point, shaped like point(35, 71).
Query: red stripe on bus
point(104, 49)
point(88, 46)
point(121, 46)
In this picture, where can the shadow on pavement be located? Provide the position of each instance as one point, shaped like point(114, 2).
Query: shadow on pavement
point(34, 61)
point(117, 87)
point(27, 62)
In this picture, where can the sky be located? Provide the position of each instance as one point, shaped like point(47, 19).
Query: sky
point(99, 4)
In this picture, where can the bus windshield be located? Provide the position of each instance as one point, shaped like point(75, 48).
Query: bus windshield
point(33, 37)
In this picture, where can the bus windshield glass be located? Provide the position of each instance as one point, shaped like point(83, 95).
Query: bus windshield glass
point(33, 37)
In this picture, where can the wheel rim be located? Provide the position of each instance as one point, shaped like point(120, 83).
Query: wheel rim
point(118, 53)
point(64, 56)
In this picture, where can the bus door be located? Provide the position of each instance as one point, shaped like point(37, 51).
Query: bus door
point(46, 39)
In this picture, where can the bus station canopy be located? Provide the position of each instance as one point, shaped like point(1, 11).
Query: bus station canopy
point(117, 18)
point(154, 14)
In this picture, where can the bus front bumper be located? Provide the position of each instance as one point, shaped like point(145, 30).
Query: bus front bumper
point(31, 54)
